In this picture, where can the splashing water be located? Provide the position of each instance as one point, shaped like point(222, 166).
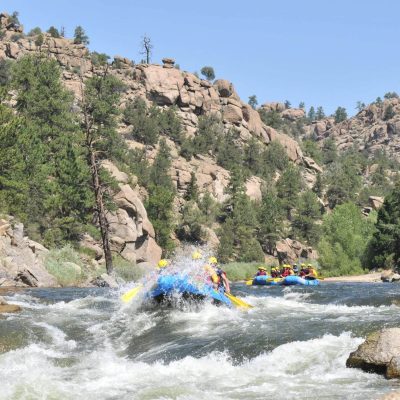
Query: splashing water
point(86, 344)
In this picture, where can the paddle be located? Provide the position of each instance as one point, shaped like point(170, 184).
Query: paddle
point(130, 294)
point(249, 282)
point(238, 302)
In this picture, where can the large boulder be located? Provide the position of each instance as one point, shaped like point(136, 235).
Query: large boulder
point(232, 114)
point(132, 234)
point(224, 88)
point(274, 106)
point(390, 276)
point(253, 188)
point(253, 120)
point(22, 259)
point(289, 251)
point(290, 145)
point(380, 350)
point(376, 202)
point(293, 114)
point(311, 164)
point(162, 84)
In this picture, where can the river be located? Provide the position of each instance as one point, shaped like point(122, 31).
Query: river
point(78, 343)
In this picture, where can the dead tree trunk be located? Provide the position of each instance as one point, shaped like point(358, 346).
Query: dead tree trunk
point(98, 191)
point(97, 187)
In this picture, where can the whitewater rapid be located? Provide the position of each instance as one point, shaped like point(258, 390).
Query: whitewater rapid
point(86, 344)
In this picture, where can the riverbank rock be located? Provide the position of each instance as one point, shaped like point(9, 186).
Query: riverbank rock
point(105, 280)
point(380, 353)
point(21, 259)
point(390, 276)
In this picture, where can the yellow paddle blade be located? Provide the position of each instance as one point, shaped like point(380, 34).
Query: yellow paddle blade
point(130, 294)
point(249, 282)
point(238, 302)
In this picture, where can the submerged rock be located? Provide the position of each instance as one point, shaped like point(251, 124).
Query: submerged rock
point(391, 396)
point(9, 308)
point(380, 353)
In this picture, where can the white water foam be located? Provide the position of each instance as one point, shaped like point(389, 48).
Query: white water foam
point(301, 370)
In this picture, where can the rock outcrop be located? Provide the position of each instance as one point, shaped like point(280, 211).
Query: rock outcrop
point(8, 308)
point(290, 251)
point(131, 233)
point(380, 353)
point(390, 276)
point(375, 128)
point(21, 259)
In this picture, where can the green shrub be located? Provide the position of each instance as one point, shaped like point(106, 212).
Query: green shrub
point(127, 270)
point(87, 252)
point(65, 265)
point(346, 233)
point(237, 271)
point(35, 31)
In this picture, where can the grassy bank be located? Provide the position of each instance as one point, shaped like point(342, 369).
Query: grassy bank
point(239, 271)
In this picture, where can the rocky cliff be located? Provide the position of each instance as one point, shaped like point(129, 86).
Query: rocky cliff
point(375, 128)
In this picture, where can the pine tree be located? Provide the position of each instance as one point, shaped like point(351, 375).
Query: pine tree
point(340, 115)
point(270, 217)
point(242, 218)
point(308, 211)
point(329, 151)
point(100, 108)
point(311, 114)
point(161, 197)
point(385, 245)
point(320, 113)
point(53, 32)
point(253, 157)
point(80, 36)
point(288, 187)
point(318, 186)
point(208, 73)
point(253, 101)
point(192, 191)
point(49, 139)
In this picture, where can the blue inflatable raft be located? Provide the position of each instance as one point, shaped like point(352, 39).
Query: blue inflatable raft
point(169, 285)
point(297, 280)
point(287, 281)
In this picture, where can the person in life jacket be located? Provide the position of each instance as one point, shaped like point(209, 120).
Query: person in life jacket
point(303, 270)
point(262, 271)
point(218, 276)
point(196, 255)
point(312, 272)
point(295, 269)
point(287, 270)
point(274, 272)
point(162, 264)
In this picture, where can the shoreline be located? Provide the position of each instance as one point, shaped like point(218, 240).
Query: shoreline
point(374, 277)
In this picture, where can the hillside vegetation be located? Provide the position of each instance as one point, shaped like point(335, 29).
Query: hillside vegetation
point(207, 167)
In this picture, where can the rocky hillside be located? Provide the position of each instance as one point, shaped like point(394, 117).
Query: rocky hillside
point(375, 128)
point(193, 100)
point(164, 86)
